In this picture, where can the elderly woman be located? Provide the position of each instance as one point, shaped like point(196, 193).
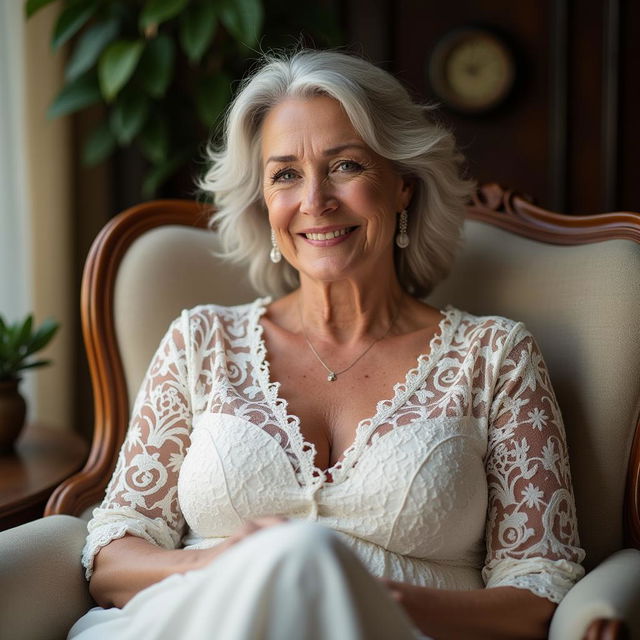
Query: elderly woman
point(345, 461)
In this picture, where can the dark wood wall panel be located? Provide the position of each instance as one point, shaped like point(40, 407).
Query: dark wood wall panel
point(568, 133)
point(629, 122)
point(520, 124)
point(585, 124)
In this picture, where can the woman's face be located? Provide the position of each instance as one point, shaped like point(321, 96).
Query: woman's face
point(332, 201)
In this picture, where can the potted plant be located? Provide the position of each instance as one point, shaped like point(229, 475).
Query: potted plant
point(163, 70)
point(18, 343)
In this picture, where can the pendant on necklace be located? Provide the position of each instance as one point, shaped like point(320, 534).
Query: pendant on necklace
point(332, 377)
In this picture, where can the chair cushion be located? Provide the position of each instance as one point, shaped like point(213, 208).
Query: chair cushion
point(180, 262)
point(41, 580)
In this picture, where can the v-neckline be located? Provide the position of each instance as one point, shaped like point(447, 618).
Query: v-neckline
point(290, 423)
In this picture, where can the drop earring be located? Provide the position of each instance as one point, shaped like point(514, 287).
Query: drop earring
point(275, 254)
point(402, 239)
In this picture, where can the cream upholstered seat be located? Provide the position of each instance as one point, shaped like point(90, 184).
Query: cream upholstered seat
point(578, 292)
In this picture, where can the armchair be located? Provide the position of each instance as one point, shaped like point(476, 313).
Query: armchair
point(574, 280)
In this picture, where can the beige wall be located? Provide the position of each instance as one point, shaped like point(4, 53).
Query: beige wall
point(48, 160)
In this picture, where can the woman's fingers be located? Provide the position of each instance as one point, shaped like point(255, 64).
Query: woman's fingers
point(248, 528)
point(252, 526)
point(269, 521)
point(392, 587)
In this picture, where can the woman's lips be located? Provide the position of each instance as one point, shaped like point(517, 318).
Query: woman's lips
point(327, 238)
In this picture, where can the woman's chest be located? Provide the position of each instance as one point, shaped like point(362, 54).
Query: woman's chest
point(330, 407)
point(328, 413)
point(402, 491)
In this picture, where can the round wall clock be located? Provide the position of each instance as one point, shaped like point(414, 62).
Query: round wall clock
point(472, 70)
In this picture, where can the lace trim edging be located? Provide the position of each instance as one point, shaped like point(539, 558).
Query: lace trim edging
point(401, 392)
point(105, 535)
point(529, 583)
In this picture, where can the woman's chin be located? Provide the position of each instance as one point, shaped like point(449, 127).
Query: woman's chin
point(328, 270)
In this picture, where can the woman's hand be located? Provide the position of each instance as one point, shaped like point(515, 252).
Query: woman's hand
point(479, 614)
point(410, 597)
point(201, 558)
point(253, 526)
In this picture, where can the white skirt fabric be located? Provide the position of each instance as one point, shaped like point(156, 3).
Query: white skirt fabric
point(295, 581)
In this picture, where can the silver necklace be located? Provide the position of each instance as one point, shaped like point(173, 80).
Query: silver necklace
point(333, 375)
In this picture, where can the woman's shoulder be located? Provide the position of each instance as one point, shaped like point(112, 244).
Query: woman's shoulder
point(207, 318)
point(226, 314)
point(492, 330)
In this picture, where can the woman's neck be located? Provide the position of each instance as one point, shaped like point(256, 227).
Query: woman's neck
point(347, 312)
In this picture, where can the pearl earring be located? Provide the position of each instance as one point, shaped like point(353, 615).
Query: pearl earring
point(275, 254)
point(402, 239)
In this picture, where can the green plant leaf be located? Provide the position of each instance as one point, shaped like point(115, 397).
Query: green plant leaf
point(156, 65)
point(161, 172)
point(212, 96)
point(125, 11)
point(76, 95)
point(24, 334)
point(32, 365)
point(197, 28)
point(157, 11)
point(243, 19)
point(71, 20)
point(35, 5)
point(90, 46)
point(117, 64)
point(128, 115)
point(42, 336)
point(154, 139)
point(13, 335)
point(99, 145)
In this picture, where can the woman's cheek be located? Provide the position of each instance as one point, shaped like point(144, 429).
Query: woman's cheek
point(281, 206)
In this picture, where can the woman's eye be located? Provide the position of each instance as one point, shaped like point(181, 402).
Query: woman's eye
point(284, 175)
point(348, 165)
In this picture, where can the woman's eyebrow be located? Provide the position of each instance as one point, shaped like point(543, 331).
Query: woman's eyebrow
point(281, 159)
point(342, 147)
point(327, 152)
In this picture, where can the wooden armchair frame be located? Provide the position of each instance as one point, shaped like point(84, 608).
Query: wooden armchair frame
point(492, 205)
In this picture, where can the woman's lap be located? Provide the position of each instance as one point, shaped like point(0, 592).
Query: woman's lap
point(294, 581)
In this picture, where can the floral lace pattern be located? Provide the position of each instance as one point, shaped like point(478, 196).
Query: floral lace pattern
point(463, 473)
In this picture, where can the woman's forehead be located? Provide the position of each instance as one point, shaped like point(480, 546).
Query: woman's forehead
point(295, 123)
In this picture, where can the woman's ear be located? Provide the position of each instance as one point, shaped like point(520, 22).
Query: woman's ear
point(406, 192)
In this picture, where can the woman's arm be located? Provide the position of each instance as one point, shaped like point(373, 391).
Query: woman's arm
point(130, 564)
point(531, 536)
point(505, 613)
point(141, 499)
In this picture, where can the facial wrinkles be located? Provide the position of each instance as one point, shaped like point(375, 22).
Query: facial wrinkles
point(299, 140)
point(324, 175)
point(295, 132)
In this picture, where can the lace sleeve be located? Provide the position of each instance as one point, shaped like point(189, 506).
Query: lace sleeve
point(141, 498)
point(531, 536)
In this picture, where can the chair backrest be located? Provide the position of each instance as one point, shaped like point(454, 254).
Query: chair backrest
point(575, 282)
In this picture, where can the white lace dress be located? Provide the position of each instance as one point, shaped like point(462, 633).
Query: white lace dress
point(459, 481)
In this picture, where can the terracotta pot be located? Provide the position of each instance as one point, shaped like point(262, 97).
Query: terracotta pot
point(13, 409)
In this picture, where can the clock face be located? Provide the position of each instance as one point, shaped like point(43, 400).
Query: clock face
point(471, 70)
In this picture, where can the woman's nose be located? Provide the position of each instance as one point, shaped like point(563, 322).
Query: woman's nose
point(317, 198)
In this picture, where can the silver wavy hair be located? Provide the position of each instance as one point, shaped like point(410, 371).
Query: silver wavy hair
point(387, 119)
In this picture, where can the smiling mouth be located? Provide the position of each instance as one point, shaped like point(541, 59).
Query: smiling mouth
point(329, 235)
